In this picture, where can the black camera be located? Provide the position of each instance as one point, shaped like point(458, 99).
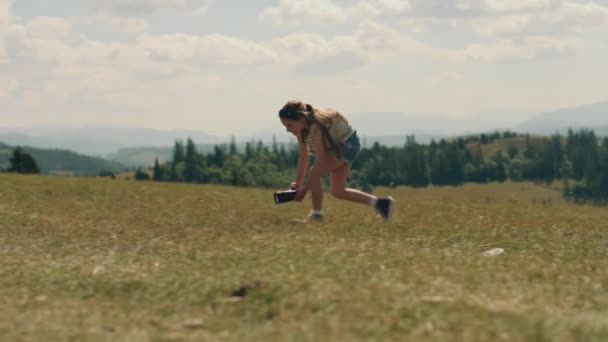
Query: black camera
point(284, 196)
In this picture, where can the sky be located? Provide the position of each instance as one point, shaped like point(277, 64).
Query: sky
point(227, 66)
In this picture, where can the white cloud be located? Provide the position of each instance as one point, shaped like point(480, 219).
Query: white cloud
point(102, 67)
point(7, 84)
point(50, 41)
point(486, 17)
point(45, 38)
point(375, 8)
point(5, 13)
point(376, 37)
point(498, 18)
point(299, 12)
point(5, 21)
point(370, 41)
point(48, 28)
point(500, 6)
point(443, 78)
point(144, 7)
point(52, 46)
point(306, 48)
point(525, 49)
point(143, 71)
point(477, 8)
point(209, 50)
point(115, 24)
point(432, 25)
point(568, 18)
point(293, 12)
point(3, 54)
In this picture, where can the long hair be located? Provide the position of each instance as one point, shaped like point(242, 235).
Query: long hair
point(295, 109)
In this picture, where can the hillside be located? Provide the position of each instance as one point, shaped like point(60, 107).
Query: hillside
point(601, 131)
point(594, 116)
point(144, 156)
point(98, 259)
point(63, 162)
point(141, 156)
point(99, 140)
point(135, 146)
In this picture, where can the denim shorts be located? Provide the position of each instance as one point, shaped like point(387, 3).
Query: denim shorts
point(350, 148)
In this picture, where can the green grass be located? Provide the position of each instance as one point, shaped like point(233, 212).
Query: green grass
point(112, 260)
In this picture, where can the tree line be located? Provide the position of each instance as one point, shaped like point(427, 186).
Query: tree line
point(579, 159)
point(56, 161)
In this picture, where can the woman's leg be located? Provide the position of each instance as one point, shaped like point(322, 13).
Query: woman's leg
point(339, 189)
point(316, 194)
point(330, 163)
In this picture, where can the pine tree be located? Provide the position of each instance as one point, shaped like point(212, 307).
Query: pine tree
point(529, 151)
point(191, 162)
point(21, 162)
point(500, 169)
point(603, 178)
point(233, 150)
point(219, 156)
point(417, 164)
point(178, 152)
point(275, 146)
point(249, 150)
point(141, 175)
point(260, 148)
point(157, 176)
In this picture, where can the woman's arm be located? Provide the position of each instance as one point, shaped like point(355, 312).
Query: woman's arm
point(315, 172)
point(303, 162)
point(320, 156)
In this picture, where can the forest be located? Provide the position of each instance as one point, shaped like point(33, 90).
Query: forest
point(579, 160)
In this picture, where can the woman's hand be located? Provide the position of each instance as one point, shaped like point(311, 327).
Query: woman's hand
point(301, 193)
point(294, 186)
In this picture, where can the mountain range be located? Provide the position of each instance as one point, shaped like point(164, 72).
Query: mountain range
point(593, 116)
point(99, 140)
point(388, 128)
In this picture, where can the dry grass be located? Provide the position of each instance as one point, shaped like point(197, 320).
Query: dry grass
point(97, 259)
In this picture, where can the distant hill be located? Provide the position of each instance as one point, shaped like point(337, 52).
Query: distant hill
point(141, 156)
point(144, 156)
point(427, 127)
point(99, 140)
point(52, 161)
point(139, 146)
point(601, 131)
point(594, 116)
point(399, 140)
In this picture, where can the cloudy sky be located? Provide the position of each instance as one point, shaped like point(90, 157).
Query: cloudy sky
point(224, 66)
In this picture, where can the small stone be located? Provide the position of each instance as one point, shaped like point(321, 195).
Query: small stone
point(194, 324)
point(493, 252)
point(240, 292)
point(41, 299)
point(98, 269)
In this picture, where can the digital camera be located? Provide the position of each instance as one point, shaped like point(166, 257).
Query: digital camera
point(284, 196)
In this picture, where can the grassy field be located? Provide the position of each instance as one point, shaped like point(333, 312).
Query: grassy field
point(113, 260)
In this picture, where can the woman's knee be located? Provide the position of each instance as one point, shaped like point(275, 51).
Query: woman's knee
point(338, 193)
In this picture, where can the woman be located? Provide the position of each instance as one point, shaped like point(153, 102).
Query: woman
point(335, 144)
